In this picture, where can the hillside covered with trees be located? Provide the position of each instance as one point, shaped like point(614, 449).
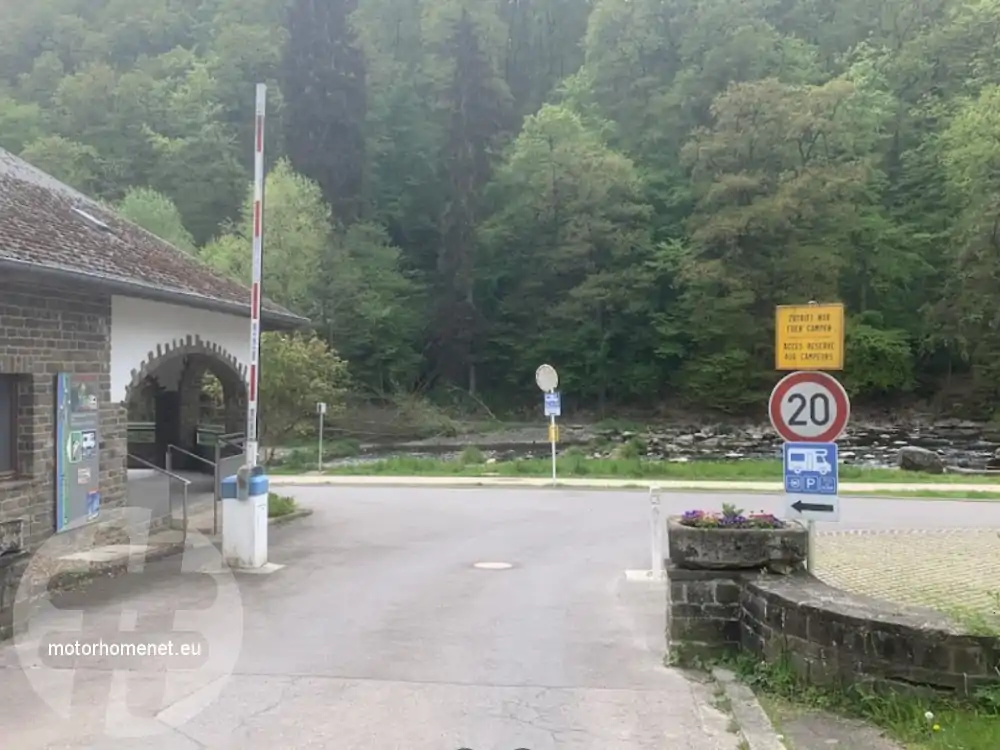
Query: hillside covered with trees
point(460, 190)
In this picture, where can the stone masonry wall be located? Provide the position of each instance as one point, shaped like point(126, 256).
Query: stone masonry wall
point(830, 636)
point(46, 329)
point(827, 636)
point(704, 611)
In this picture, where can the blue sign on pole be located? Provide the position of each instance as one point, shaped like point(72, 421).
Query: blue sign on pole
point(553, 405)
point(810, 468)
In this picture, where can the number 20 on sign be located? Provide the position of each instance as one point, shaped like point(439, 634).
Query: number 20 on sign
point(809, 407)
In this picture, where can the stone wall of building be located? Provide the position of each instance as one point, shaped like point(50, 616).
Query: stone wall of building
point(46, 329)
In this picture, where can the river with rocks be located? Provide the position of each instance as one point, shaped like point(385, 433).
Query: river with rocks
point(962, 444)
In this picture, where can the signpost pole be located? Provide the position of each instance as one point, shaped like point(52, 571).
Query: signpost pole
point(319, 448)
point(811, 525)
point(547, 380)
point(552, 439)
point(810, 561)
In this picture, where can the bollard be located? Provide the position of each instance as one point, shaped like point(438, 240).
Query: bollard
point(244, 516)
point(655, 534)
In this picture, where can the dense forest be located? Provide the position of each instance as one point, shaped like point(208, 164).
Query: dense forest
point(460, 190)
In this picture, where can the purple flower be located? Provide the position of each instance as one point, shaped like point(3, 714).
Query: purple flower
point(733, 521)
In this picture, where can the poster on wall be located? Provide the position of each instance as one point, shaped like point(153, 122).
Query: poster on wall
point(78, 471)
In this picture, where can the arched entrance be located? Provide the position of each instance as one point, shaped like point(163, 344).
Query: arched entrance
point(183, 394)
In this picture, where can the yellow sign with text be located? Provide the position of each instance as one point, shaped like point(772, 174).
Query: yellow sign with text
point(553, 433)
point(809, 337)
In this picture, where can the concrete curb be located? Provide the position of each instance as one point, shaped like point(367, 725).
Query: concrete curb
point(755, 727)
point(344, 480)
point(288, 517)
point(72, 580)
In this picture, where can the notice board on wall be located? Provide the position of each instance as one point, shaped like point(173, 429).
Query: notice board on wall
point(78, 454)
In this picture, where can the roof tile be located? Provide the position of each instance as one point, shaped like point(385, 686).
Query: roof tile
point(48, 224)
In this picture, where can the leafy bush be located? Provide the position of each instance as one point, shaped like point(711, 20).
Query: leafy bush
point(471, 455)
point(729, 381)
point(879, 362)
point(279, 505)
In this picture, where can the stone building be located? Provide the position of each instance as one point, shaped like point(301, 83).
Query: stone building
point(96, 316)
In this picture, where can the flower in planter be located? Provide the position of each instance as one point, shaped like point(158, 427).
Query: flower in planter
point(731, 517)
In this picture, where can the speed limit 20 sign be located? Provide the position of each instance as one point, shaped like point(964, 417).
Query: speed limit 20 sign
point(809, 407)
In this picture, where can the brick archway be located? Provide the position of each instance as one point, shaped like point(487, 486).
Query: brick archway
point(167, 388)
point(191, 345)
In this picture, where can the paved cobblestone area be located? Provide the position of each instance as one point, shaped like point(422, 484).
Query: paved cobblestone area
point(956, 570)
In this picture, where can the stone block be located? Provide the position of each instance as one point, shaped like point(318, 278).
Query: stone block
point(935, 654)
point(701, 592)
point(796, 622)
point(678, 591)
point(696, 653)
point(737, 549)
point(727, 592)
point(966, 659)
point(754, 605)
point(704, 630)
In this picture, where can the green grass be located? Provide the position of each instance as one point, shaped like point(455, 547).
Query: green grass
point(305, 458)
point(968, 725)
point(631, 467)
point(279, 505)
point(926, 494)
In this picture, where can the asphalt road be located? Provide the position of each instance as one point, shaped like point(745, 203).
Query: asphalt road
point(380, 632)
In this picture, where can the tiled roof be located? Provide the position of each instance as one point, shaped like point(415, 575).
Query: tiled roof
point(46, 225)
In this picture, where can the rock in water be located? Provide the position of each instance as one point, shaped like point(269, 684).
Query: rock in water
point(912, 458)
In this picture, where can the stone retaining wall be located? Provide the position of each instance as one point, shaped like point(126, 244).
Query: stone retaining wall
point(827, 635)
point(831, 636)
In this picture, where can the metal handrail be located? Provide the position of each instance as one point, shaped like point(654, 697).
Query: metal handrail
point(185, 483)
point(226, 439)
point(172, 447)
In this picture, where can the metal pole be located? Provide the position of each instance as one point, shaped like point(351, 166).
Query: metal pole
point(255, 283)
point(319, 451)
point(217, 494)
point(810, 555)
point(184, 531)
point(552, 438)
point(656, 533)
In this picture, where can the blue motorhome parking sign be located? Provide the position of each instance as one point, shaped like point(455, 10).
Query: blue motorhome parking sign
point(810, 468)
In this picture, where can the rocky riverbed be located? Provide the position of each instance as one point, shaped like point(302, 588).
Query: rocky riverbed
point(958, 443)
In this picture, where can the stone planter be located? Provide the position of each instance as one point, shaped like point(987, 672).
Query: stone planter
point(11, 536)
point(778, 550)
